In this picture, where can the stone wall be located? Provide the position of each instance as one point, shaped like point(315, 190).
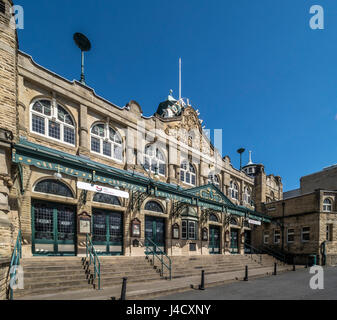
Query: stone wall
point(4, 265)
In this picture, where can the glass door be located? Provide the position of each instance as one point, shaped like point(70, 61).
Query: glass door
point(234, 241)
point(53, 228)
point(107, 232)
point(155, 231)
point(214, 240)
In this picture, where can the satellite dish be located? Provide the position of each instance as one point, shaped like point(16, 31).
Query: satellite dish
point(84, 44)
point(82, 41)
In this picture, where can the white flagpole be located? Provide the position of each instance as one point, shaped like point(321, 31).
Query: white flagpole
point(179, 78)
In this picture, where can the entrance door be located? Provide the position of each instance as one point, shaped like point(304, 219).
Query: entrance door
point(248, 241)
point(214, 240)
point(107, 232)
point(53, 228)
point(234, 241)
point(155, 231)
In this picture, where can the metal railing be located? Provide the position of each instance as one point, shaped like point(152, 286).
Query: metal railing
point(154, 250)
point(253, 251)
point(15, 262)
point(93, 258)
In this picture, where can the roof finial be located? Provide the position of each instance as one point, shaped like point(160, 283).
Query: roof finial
point(250, 158)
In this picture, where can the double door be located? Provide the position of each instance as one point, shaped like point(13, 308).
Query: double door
point(155, 232)
point(214, 240)
point(107, 232)
point(234, 241)
point(53, 228)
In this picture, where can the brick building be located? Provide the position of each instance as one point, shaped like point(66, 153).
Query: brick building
point(304, 222)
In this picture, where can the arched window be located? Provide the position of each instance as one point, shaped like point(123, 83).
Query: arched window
point(187, 173)
point(55, 187)
point(154, 160)
point(106, 198)
point(213, 217)
point(52, 121)
point(106, 141)
point(154, 206)
point(233, 221)
point(214, 179)
point(234, 190)
point(247, 196)
point(327, 205)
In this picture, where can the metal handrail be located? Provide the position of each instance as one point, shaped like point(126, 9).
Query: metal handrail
point(15, 262)
point(278, 255)
point(254, 250)
point(160, 258)
point(91, 252)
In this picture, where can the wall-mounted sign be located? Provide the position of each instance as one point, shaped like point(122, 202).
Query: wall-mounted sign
point(204, 234)
point(175, 231)
point(258, 223)
point(101, 189)
point(135, 228)
point(84, 223)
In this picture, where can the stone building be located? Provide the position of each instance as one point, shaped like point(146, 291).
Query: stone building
point(72, 164)
point(304, 222)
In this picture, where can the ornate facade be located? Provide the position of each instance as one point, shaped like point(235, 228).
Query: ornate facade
point(74, 164)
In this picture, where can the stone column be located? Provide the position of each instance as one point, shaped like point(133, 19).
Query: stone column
point(5, 184)
point(83, 126)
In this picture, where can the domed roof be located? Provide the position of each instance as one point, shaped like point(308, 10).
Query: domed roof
point(170, 108)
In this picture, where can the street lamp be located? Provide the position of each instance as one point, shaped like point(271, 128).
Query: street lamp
point(240, 151)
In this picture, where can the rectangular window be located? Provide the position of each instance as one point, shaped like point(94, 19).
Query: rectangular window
point(187, 177)
point(305, 234)
point(162, 168)
point(191, 230)
point(107, 148)
point(182, 176)
point(2, 7)
point(38, 124)
point(193, 179)
point(69, 135)
point(329, 232)
point(54, 130)
point(95, 145)
point(266, 237)
point(277, 236)
point(291, 235)
point(184, 229)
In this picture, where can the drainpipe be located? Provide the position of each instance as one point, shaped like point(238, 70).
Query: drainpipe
point(282, 225)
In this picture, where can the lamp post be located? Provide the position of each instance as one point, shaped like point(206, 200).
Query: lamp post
point(241, 151)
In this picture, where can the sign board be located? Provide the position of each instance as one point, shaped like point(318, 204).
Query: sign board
point(258, 223)
point(101, 189)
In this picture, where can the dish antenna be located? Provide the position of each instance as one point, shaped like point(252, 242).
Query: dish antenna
point(84, 44)
point(241, 151)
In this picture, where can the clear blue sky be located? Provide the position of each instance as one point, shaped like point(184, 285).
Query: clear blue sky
point(252, 67)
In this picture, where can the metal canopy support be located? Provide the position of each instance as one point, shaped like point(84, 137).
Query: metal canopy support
point(178, 207)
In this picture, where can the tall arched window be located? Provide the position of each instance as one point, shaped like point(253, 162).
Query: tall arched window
point(187, 173)
point(53, 121)
point(327, 205)
point(234, 190)
point(214, 179)
point(154, 160)
point(106, 141)
point(154, 206)
point(247, 196)
point(272, 196)
point(51, 186)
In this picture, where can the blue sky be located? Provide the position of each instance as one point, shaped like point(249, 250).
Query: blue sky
point(253, 68)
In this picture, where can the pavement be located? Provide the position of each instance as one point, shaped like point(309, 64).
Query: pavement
point(142, 291)
point(286, 286)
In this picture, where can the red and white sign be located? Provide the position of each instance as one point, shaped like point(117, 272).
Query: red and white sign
point(258, 223)
point(101, 189)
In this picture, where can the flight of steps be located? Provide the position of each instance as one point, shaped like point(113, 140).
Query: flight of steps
point(192, 265)
point(48, 275)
